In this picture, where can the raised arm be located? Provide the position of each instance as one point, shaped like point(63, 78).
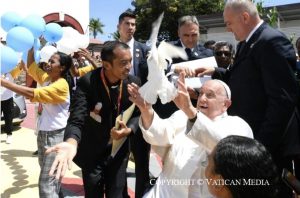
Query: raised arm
point(22, 90)
point(146, 109)
point(183, 101)
point(157, 131)
point(30, 57)
point(85, 53)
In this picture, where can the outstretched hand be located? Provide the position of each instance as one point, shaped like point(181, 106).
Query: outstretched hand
point(202, 71)
point(65, 152)
point(136, 98)
point(189, 72)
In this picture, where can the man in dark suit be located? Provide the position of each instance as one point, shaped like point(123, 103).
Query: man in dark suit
point(188, 33)
point(138, 146)
point(264, 90)
point(101, 95)
point(126, 28)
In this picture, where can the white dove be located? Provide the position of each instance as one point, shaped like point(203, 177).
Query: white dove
point(158, 60)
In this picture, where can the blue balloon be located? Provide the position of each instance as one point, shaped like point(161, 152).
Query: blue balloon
point(36, 44)
point(20, 39)
point(53, 32)
point(10, 20)
point(37, 56)
point(9, 59)
point(35, 24)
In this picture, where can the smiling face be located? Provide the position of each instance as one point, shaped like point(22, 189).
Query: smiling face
point(212, 100)
point(53, 68)
point(127, 29)
point(120, 66)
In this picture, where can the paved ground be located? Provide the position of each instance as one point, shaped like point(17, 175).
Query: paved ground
point(19, 169)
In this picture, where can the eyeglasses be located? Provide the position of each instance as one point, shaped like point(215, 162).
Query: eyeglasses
point(219, 53)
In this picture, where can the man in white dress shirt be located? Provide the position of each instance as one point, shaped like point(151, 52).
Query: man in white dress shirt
point(185, 138)
point(139, 148)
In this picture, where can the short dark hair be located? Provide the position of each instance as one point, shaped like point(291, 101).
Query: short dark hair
point(65, 60)
point(127, 13)
point(238, 157)
point(220, 44)
point(209, 44)
point(107, 53)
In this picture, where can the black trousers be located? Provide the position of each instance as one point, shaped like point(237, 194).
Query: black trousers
point(106, 176)
point(7, 109)
point(141, 153)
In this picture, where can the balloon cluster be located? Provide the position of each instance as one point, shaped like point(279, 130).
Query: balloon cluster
point(23, 34)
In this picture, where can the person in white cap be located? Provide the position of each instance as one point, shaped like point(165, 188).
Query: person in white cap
point(186, 138)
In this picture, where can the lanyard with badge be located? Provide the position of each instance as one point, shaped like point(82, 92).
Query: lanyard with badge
point(116, 107)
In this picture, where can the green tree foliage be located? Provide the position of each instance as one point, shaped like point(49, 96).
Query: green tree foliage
point(96, 27)
point(270, 14)
point(115, 35)
point(148, 10)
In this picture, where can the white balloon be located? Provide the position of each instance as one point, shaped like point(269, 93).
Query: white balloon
point(69, 42)
point(47, 52)
point(66, 46)
point(68, 32)
point(72, 40)
point(83, 41)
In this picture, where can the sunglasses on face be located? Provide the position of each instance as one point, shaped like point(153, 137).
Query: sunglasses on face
point(220, 53)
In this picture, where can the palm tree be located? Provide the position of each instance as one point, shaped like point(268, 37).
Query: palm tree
point(115, 35)
point(96, 27)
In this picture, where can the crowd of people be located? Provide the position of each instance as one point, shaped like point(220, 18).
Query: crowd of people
point(241, 127)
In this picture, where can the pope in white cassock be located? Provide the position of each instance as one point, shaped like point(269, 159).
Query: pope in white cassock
point(186, 138)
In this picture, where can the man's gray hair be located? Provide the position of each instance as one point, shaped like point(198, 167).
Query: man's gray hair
point(239, 6)
point(187, 19)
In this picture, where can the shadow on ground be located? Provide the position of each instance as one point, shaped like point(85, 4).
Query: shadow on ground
point(18, 172)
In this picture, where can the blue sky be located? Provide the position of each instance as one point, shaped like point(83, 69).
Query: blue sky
point(268, 3)
point(108, 12)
